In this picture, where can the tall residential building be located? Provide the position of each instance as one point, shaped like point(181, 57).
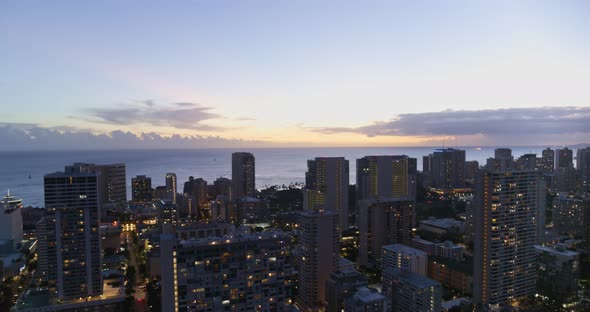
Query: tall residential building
point(527, 162)
point(502, 160)
point(469, 214)
point(565, 180)
point(235, 272)
point(383, 222)
point(11, 222)
point(583, 167)
point(558, 274)
point(564, 158)
point(243, 175)
point(386, 176)
point(197, 190)
point(112, 184)
point(471, 168)
point(507, 205)
point(69, 238)
point(548, 160)
point(171, 186)
point(448, 167)
point(326, 180)
point(409, 292)
point(141, 189)
point(316, 256)
point(222, 186)
point(569, 213)
point(398, 256)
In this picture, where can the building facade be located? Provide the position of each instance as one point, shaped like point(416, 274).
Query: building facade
point(243, 175)
point(506, 226)
point(69, 238)
point(316, 256)
point(239, 272)
point(383, 222)
point(326, 180)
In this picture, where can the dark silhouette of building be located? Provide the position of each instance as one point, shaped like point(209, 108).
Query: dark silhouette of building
point(243, 175)
point(141, 189)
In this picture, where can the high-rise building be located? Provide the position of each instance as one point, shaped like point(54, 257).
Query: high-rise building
point(569, 213)
point(112, 184)
point(565, 180)
point(326, 180)
point(448, 167)
point(583, 167)
point(558, 273)
point(547, 160)
point(69, 238)
point(365, 300)
point(171, 186)
point(471, 168)
point(197, 189)
point(527, 162)
point(236, 272)
point(11, 222)
point(383, 222)
point(408, 291)
point(341, 284)
point(167, 212)
point(316, 256)
point(506, 222)
point(564, 158)
point(502, 160)
point(141, 189)
point(243, 175)
point(398, 256)
point(222, 186)
point(469, 214)
point(386, 176)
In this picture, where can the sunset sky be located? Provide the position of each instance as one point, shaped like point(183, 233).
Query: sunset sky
point(294, 73)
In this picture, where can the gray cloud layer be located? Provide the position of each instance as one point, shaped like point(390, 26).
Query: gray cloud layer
point(499, 122)
point(179, 115)
point(31, 137)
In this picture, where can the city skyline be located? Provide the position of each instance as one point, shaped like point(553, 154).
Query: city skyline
point(330, 74)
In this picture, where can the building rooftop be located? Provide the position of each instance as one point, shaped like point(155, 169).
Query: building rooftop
point(232, 238)
point(411, 278)
point(559, 249)
point(445, 223)
point(33, 299)
point(422, 241)
point(447, 305)
point(406, 250)
point(367, 295)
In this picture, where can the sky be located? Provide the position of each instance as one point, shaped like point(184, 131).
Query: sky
point(293, 73)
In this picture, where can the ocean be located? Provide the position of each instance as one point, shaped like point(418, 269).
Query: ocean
point(274, 166)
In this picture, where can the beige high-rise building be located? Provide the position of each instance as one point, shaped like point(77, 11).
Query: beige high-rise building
point(326, 185)
point(506, 223)
point(386, 176)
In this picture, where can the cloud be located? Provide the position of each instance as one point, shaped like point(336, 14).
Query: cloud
point(491, 123)
point(180, 115)
point(14, 137)
point(244, 119)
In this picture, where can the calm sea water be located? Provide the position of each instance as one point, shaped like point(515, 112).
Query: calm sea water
point(273, 165)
